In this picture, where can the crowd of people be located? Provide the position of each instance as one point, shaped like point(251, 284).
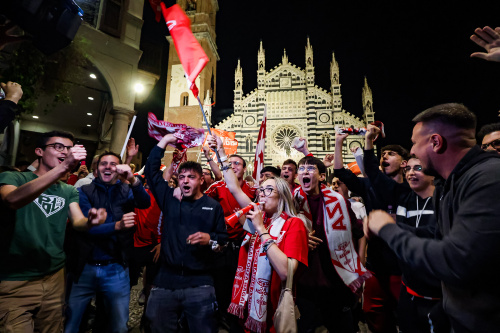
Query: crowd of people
point(404, 242)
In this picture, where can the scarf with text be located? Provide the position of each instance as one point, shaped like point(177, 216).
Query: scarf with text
point(252, 282)
point(338, 227)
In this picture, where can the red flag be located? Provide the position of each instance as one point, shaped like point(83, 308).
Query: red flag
point(155, 4)
point(259, 152)
point(190, 52)
point(187, 136)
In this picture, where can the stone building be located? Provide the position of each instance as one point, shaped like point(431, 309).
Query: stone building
point(296, 107)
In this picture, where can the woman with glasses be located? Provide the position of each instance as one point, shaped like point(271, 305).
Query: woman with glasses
point(263, 258)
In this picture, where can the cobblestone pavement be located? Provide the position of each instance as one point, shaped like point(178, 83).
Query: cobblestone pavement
point(136, 313)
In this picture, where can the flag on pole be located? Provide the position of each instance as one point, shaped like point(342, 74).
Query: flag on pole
point(155, 4)
point(187, 136)
point(261, 142)
point(190, 52)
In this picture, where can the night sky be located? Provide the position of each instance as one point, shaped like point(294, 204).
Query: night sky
point(414, 54)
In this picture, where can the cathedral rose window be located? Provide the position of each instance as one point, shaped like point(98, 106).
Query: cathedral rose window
point(283, 138)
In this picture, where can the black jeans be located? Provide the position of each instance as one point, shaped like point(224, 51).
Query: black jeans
point(197, 305)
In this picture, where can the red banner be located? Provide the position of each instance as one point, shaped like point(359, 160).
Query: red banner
point(228, 141)
point(190, 52)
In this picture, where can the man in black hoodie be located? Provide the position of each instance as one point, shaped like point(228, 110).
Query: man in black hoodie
point(193, 228)
point(466, 251)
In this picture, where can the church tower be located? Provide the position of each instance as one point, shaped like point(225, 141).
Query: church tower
point(311, 134)
point(180, 104)
point(335, 84)
point(261, 79)
point(238, 87)
point(367, 99)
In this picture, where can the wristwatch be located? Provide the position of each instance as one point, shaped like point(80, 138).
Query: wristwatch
point(215, 246)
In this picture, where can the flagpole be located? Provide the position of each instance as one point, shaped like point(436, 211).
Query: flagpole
point(208, 126)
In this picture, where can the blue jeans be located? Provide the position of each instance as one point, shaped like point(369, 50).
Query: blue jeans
point(198, 305)
point(113, 283)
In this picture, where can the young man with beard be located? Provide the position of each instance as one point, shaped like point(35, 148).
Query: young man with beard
point(335, 273)
point(289, 173)
point(381, 292)
point(467, 214)
point(227, 261)
point(98, 259)
point(194, 228)
point(489, 136)
point(419, 293)
point(35, 208)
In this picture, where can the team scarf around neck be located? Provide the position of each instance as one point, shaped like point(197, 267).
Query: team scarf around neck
point(337, 224)
point(253, 278)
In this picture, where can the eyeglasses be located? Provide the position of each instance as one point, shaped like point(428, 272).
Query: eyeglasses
point(309, 168)
point(206, 173)
point(495, 144)
point(235, 163)
point(266, 190)
point(58, 146)
point(415, 168)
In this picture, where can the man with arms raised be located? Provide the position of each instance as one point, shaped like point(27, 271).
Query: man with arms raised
point(98, 260)
point(467, 213)
point(420, 293)
point(335, 273)
point(227, 261)
point(194, 228)
point(35, 208)
point(381, 292)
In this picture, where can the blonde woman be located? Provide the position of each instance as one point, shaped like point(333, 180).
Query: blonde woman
point(263, 257)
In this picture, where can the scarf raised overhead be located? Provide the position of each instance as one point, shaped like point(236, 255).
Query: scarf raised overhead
point(338, 227)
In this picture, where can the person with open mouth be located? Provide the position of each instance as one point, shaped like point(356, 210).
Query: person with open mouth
point(419, 293)
point(263, 260)
point(194, 230)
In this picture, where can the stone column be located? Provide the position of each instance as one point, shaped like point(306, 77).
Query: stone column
point(121, 119)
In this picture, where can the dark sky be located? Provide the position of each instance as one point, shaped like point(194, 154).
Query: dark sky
point(414, 55)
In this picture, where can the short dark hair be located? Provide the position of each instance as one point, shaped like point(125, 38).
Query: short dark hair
point(190, 166)
point(236, 155)
point(398, 149)
point(454, 114)
point(42, 140)
point(211, 173)
point(311, 160)
point(290, 161)
point(275, 171)
point(487, 129)
point(106, 153)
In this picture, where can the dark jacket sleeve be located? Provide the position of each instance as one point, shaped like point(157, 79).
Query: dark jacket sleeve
point(353, 182)
point(157, 185)
point(220, 232)
point(140, 197)
point(386, 188)
point(104, 229)
point(7, 114)
point(468, 252)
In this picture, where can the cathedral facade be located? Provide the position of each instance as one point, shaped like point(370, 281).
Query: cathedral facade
point(295, 107)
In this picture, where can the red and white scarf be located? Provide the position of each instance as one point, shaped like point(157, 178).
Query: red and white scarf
point(338, 234)
point(252, 282)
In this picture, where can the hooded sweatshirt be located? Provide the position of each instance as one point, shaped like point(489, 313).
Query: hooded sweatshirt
point(466, 257)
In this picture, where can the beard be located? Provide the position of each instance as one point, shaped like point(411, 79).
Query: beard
point(430, 170)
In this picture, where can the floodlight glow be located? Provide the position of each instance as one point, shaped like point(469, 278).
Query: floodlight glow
point(93, 76)
point(139, 87)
